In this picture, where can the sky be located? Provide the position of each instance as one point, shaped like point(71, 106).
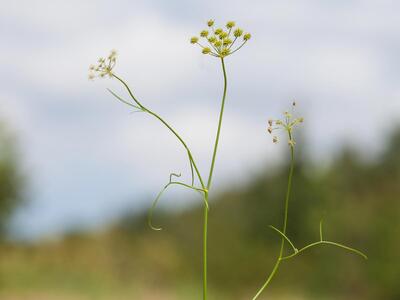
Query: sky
point(88, 158)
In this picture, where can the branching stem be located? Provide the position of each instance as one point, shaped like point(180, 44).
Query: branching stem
point(191, 159)
point(193, 167)
point(325, 243)
point(296, 251)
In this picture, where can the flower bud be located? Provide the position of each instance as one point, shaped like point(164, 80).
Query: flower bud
point(223, 35)
point(230, 24)
point(210, 23)
point(287, 114)
point(238, 32)
point(194, 40)
point(227, 42)
point(247, 36)
point(218, 31)
point(206, 50)
point(225, 52)
point(113, 53)
point(204, 33)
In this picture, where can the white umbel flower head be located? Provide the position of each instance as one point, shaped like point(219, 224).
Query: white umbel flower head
point(104, 66)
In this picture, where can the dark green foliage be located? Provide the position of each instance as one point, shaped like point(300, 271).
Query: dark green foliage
point(359, 202)
point(10, 179)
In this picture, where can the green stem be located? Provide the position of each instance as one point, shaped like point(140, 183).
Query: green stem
point(205, 225)
point(325, 243)
point(285, 221)
point(238, 48)
point(278, 261)
point(205, 233)
point(221, 114)
point(289, 188)
point(191, 159)
point(285, 237)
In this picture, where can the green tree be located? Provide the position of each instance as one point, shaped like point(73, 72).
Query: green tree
point(11, 181)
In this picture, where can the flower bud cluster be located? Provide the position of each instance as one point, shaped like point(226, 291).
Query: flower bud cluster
point(221, 40)
point(287, 124)
point(104, 66)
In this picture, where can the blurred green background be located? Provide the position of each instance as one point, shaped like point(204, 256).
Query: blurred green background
point(357, 198)
point(78, 171)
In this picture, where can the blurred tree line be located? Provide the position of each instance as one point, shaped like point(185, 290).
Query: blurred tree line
point(11, 181)
point(357, 199)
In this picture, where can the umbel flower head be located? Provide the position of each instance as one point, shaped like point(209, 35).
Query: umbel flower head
point(104, 66)
point(286, 124)
point(221, 42)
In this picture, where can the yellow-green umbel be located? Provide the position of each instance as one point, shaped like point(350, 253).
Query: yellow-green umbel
point(222, 43)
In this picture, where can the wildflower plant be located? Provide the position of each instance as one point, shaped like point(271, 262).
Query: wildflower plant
point(220, 43)
point(287, 125)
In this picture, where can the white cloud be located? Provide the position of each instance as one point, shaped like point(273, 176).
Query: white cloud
point(338, 59)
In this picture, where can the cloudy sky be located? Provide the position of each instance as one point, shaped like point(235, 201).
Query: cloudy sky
point(88, 158)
